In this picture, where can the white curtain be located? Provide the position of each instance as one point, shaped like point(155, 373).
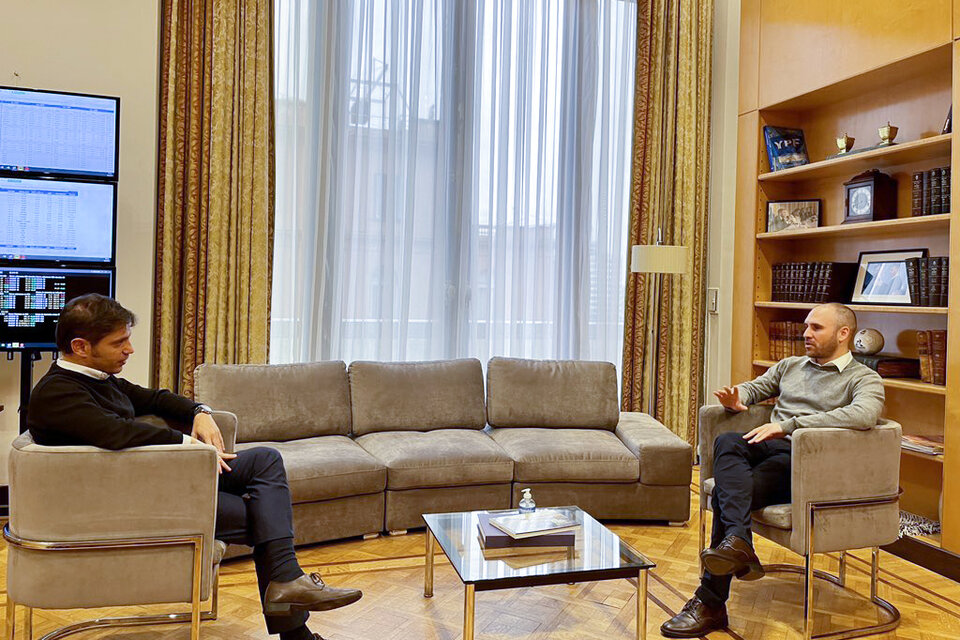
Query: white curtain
point(452, 178)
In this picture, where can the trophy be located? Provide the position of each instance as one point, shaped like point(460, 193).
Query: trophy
point(845, 143)
point(887, 134)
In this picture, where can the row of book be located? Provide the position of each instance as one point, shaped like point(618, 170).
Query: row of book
point(931, 192)
point(813, 281)
point(930, 445)
point(786, 339)
point(928, 280)
point(890, 366)
point(544, 531)
point(932, 349)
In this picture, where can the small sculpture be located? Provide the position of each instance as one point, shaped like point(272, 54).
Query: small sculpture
point(867, 342)
point(845, 143)
point(887, 134)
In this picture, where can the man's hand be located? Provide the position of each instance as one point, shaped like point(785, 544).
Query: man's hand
point(769, 431)
point(729, 397)
point(206, 430)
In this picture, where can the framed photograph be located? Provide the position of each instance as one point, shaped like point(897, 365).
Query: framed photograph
point(783, 215)
point(882, 277)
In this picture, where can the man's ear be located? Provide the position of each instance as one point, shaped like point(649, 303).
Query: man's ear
point(80, 346)
point(843, 335)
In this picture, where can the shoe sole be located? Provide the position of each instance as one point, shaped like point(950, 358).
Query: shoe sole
point(286, 608)
point(669, 633)
point(720, 565)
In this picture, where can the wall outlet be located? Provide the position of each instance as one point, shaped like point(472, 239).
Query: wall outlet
point(713, 300)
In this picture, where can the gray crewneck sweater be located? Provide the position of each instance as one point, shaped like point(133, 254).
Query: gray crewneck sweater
point(814, 395)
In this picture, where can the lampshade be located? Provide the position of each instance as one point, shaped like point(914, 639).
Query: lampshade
point(658, 258)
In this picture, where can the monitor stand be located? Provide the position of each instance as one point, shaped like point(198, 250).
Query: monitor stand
point(27, 358)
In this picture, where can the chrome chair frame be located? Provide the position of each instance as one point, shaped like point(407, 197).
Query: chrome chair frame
point(194, 617)
point(809, 573)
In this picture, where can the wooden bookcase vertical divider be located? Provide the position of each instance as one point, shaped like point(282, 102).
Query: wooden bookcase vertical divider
point(913, 93)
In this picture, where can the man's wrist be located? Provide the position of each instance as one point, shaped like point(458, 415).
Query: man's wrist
point(202, 408)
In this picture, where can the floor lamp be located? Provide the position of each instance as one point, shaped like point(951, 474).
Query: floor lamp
point(657, 259)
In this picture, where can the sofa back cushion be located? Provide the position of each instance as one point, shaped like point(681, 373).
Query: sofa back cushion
point(416, 396)
point(278, 402)
point(552, 393)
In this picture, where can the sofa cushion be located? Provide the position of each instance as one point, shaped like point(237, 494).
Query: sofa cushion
point(552, 393)
point(327, 467)
point(439, 458)
point(275, 402)
point(665, 459)
point(779, 516)
point(417, 396)
point(567, 455)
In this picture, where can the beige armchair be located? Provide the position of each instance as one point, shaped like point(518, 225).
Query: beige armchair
point(96, 528)
point(845, 495)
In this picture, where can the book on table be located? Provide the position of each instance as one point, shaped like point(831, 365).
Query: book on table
point(492, 538)
point(535, 524)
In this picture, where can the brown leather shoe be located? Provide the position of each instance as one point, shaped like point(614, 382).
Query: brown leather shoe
point(733, 555)
point(694, 620)
point(306, 593)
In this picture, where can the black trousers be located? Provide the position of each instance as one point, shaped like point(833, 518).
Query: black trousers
point(253, 507)
point(747, 477)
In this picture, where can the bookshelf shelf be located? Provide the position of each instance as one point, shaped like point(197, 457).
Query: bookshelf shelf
point(890, 383)
point(897, 154)
point(881, 228)
point(858, 308)
point(922, 456)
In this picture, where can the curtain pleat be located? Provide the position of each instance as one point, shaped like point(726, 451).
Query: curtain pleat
point(215, 195)
point(671, 137)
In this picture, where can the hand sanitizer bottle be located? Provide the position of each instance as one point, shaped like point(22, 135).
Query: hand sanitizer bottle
point(527, 505)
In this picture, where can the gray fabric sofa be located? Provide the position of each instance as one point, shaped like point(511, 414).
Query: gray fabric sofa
point(371, 448)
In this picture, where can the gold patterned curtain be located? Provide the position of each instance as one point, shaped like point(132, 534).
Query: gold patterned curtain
point(215, 197)
point(669, 186)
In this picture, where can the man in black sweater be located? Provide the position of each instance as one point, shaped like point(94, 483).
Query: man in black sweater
point(80, 401)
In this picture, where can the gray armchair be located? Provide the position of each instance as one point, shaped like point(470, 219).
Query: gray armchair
point(845, 495)
point(95, 528)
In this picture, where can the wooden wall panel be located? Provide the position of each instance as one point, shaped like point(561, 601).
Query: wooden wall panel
point(807, 45)
point(750, 54)
point(748, 141)
point(956, 19)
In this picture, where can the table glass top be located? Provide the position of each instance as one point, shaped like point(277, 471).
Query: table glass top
point(596, 549)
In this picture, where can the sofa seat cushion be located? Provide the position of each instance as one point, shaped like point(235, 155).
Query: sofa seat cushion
point(327, 467)
point(439, 458)
point(779, 516)
point(567, 455)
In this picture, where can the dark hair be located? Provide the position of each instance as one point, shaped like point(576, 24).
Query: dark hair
point(91, 317)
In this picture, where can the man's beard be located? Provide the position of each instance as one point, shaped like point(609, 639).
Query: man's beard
point(826, 349)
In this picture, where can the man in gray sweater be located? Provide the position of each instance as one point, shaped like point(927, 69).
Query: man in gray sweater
point(825, 388)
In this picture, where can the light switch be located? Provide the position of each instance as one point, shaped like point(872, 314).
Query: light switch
point(713, 300)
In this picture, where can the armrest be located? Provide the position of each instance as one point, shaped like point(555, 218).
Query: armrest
point(228, 429)
point(714, 420)
point(665, 459)
point(83, 493)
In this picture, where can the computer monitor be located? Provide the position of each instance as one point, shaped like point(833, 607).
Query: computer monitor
point(57, 220)
point(59, 133)
point(31, 299)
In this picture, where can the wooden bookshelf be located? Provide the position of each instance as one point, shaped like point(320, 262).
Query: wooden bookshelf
point(854, 81)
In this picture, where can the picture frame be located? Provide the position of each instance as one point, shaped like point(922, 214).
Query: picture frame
point(785, 215)
point(882, 277)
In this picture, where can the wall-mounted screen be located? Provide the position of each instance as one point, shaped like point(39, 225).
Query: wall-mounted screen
point(57, 133)
point(31, 299)
point(57, 220)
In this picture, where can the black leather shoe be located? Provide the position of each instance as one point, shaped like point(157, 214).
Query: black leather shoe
point(694, 620)
point(733, 555)
point(306, 593)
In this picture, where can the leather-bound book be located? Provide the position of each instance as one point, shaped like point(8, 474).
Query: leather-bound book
point(916, 201)
point(938, 355)
point(913, 280)
point(923, 351)
point(923, 273)
point(891, 366)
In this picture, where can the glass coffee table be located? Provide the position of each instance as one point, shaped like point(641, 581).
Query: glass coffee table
point(599, 554)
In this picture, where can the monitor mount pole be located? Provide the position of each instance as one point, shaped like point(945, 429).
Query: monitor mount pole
point(27, 358)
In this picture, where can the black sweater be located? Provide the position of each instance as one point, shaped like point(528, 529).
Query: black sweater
point(70, 408)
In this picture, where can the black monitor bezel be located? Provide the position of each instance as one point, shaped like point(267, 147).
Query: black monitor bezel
point(88, 268)
point(54, 262)
point(75, 174)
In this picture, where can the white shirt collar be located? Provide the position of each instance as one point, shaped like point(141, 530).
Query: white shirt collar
point(840, 362)
point(79, 368)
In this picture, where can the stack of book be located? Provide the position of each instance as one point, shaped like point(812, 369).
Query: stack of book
point(928, 279)
point(932, 349)
point(931, 192)
point(813, 281)
point(543, 531)
point(930, 445)
point(891, 366)
point(786, 339)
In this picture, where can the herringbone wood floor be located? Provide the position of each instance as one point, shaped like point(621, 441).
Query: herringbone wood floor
point(390, 572)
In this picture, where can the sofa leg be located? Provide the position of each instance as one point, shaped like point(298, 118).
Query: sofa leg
point(398, 532)
point(678, 523)
point(11, 618)
point(371, 536)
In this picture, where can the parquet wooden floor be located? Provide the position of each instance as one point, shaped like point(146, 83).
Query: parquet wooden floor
point(390, 572)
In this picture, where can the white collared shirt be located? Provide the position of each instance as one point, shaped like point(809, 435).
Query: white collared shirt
point(840, 362)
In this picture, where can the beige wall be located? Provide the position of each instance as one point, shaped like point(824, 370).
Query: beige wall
point(109, 47)
point(723, 161)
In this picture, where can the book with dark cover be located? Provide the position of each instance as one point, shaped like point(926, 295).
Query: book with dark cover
point(944, 281)
point(913, 282)
point(923, 351)
point(935, 193)
point(809, 270)
point(798, 329)
point(840, 280)
point(916, 199)
point(923, 277)
point(938, 356)
point(933, 271)
point(890, 366)
point(925, 202)
point(491, 553)
point(493, 538)
point(945, 188)
point(785, 147)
